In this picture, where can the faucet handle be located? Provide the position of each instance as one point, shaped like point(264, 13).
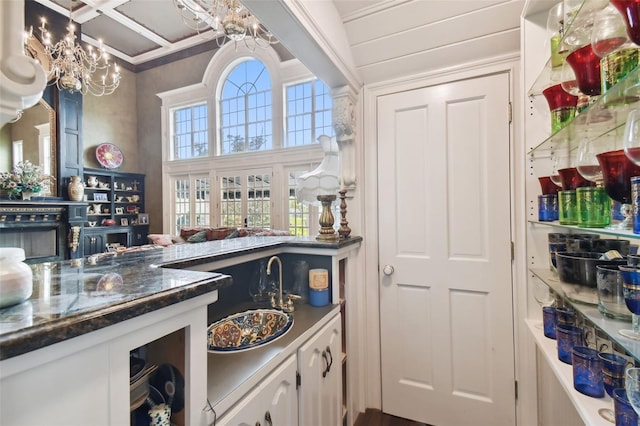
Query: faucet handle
point(272, 297)
point(292, 296)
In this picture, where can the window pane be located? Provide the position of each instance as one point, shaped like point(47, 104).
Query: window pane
point(245, 109)
point(231, 201)
point(298, 212)
point(308, 106)
point(181, 205)
point(190, 132)
point(259, 200)
point(202, 202)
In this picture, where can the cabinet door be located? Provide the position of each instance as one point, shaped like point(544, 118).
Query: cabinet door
point(319, 362)
point(275, 399)
point(93, 244)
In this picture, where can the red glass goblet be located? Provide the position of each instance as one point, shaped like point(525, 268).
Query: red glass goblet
point(571, 179)
point(617, 171)
point(630, 10)
point(547, 185)
point(586, 65)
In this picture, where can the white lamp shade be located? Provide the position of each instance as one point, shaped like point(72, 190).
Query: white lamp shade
point(324, 180)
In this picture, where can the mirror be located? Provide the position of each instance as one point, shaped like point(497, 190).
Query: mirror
point(33, 138)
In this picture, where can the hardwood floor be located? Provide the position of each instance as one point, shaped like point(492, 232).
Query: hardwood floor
point(378, 418)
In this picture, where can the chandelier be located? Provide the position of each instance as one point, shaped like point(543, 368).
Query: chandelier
point(226, 17)
point(72, 68)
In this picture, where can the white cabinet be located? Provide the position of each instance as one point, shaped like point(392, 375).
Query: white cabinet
point(319, 363)
point(274, 401)
point(85, 380)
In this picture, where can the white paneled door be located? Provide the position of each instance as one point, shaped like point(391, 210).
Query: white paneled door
point(445, 253)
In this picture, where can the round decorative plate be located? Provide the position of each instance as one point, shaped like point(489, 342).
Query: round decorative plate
point(109, 156)
point(247, 330)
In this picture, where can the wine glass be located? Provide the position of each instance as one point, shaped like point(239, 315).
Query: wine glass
point(555, 31)
point(561, 160)
point(631, 138)
point(631, 292)
point(587, 163)
point(609, 32)
point(632, 386)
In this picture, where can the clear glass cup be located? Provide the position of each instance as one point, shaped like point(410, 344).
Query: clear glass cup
point(632, 386)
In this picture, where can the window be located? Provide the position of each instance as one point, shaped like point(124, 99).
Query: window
point(231, 133)
point(245, 109)
point(245, 199)
point(191, 202)
point(308, 112)
point(190, 132)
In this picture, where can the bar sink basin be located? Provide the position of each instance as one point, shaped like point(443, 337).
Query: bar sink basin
point(247, 330)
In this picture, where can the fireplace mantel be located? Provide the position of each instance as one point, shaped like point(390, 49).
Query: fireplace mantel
point(48, 230)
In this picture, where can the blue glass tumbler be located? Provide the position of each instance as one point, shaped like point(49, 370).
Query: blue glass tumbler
point(568, 337)
point(565, 316)
point(587, 371)
point(612, 371)
point(549, 321)
point(635, 203)
point(547, 208)
point(625, 414)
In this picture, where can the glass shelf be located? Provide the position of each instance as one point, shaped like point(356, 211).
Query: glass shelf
point(604, 231)
point(583, 20)
point(610, 327)
point(607, 114)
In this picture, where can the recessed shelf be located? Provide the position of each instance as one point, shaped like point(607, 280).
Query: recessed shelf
point(608, 326)
point(606, 115)
point(628, 234)
point(586, 406)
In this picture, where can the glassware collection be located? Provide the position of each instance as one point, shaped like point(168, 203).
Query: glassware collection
point(594, 55)
point(589, 175)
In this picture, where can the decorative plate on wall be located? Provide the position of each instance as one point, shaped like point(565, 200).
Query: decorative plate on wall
point(109, 156)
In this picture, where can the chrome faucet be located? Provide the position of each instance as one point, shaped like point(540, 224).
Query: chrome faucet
point(288, 306)
point(280, 302)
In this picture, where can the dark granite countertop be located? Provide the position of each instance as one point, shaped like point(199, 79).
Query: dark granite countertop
point(74, 297)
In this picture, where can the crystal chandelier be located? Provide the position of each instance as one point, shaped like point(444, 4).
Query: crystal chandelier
point(226, 17)
point(72, 68)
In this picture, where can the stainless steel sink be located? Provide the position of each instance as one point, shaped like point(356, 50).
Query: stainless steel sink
point(247, 330)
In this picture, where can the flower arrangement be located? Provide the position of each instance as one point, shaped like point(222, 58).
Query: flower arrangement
point(25, 177)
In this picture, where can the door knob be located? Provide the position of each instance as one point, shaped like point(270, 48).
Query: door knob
point(388, 270)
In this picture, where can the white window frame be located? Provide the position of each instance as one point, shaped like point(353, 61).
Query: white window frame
point(278, 159)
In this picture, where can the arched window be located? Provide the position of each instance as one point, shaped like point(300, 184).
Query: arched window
point(245, 109)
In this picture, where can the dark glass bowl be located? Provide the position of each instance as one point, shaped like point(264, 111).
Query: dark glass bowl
point(571, 179)
point(617, 171)
point(586, 65)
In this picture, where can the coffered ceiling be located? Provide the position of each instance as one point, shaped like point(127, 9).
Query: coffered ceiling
point(384, 35)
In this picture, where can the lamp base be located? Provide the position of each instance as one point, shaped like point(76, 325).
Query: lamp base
point(327, 233)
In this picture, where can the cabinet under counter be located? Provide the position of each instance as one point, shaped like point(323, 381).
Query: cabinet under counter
point(232, 375)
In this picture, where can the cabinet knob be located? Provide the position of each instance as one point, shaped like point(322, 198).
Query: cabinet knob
point(267, 418)
point(388, 270)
